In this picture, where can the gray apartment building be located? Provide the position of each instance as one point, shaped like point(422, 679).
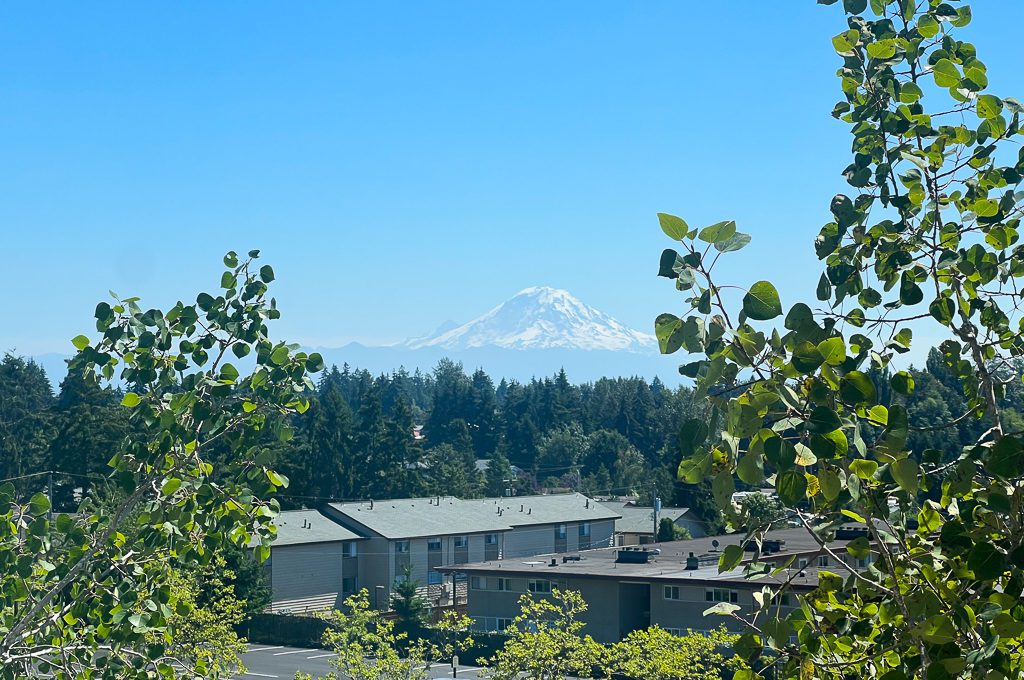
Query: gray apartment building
point(629, 588)
point(313, 562)
point(373, 544)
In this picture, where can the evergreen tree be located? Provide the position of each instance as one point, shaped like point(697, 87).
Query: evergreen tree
point(26, 420)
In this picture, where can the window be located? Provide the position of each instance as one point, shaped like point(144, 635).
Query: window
point(478, 582)
point(584, 529)
point(401, 578)
point(348, 549)
point(822, 560)
point(491, 539)
point(461, 541)
point(802, 562)
point(348, 585)
point(434, 577)
point(784, 599)
point(502, 624)
point(560, 532)
point(505, 584)
point(401, 547)
point(539, 586)
point(863, 562)
point(434, 544)
point(721, 595)
point(678, 632)
point(671, 592)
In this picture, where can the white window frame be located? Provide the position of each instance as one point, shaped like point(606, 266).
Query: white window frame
point(434, 544)
point(462, 541)
point(672, 593)
point(505, 584)
point(491, 539)
point(822, 560)
point(501, 623)
point(402, 547)
point(561, 532)
point(349, 549)
point(584, 529)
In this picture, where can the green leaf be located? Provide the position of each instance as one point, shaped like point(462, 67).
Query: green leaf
point(675, 228)
point(668, 330)
point(731, 558)
point(231, 259)
point(722, 609)
point(902, 382)
point(833, 351)
point(946, 73)
point(883, 49)
point(762, 303)
point(38, 504)
point(750, 469)
point(865, 469)
point(986, 561)
point(717, 233)
point(791, 486)
point(267, 273)
point(277, 479)
point(1006, 458)
point(131, 400)
point(942, 310)
point(846, 42)
point(170, 486)
point(904, 471)
point(229, 372)
point(279, 355)
point(857, 388)
point(80, 342)
point(823, 419)
point(989, 106)
point(927, 26)
point(670, 264)
point(692, 435)
point(736, 242)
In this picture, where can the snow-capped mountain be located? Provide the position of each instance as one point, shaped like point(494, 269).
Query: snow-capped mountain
point(540, 318)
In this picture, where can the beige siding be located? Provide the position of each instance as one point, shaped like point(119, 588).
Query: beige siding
point(306, 577)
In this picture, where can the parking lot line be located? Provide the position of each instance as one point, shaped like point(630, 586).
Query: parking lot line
point(264, 649)
point(321, 656)
point(293, 651)
point(260, 675)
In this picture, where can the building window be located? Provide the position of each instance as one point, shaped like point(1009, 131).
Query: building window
point(401, 578)
point(721, 595)
point(348, 549)
point(434, 544)
point(863, 562)
point(822, 560)
point(505, 584)
point(671, 592)
point(501, 624)
point(802, 562)
point(784, 599)
point(678, 632)
point(434, 577)
point(348, 585)
point(560, 532)
point(401, 547)
point(491, 539)
point(478, 582)
point(461, 541)
point(584, 529)
point(540, 586)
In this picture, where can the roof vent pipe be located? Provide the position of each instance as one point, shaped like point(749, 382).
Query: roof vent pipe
point(371, 504)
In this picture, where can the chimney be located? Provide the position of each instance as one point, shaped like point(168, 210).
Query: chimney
point(692, 562)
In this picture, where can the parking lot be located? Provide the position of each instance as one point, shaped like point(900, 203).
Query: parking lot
point(271, 661)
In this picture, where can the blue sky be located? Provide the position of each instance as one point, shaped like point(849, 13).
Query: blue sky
point(401, 164)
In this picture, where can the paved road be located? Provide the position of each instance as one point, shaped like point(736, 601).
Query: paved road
point(267, 661)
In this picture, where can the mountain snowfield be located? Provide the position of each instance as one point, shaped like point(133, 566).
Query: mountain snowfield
point(540, 318)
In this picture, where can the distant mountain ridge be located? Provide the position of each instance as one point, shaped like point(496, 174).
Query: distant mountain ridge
point(540, 318)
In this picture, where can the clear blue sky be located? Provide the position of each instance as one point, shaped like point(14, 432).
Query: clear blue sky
point(401, 164)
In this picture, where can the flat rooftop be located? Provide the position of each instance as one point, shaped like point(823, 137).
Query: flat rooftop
point(668, 565)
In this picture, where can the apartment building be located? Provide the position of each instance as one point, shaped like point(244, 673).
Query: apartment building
point(320, 557)
point(636, 525)
point(669, 584)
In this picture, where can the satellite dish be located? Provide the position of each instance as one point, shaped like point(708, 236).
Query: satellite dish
point(714, 543)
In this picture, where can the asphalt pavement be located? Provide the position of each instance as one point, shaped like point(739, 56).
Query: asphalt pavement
point(271, 661)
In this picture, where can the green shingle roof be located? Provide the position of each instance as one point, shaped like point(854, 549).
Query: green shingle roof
point(295, 527)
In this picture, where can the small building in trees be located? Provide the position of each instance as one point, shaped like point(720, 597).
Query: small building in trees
point(636, 524)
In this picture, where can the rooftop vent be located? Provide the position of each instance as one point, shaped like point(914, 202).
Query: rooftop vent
point(633, 556)
point(692, 562)
point(570, 558)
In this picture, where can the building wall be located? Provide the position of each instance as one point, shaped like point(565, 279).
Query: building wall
point(306, 577)
point(540, 539)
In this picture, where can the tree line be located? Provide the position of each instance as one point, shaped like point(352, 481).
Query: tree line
point(420, 433)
